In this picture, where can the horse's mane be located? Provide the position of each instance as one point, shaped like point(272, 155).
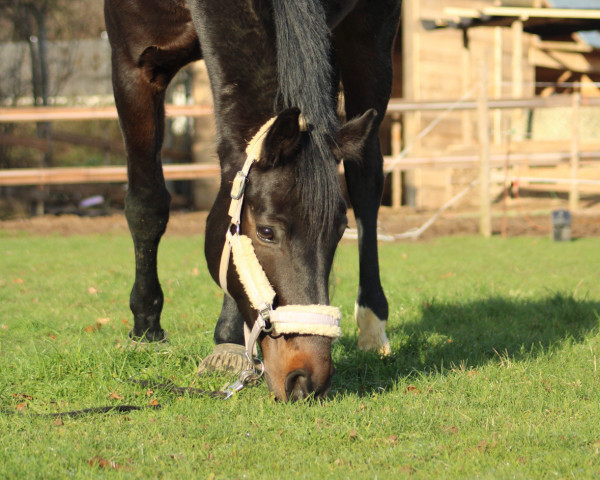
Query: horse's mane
point(305, 78)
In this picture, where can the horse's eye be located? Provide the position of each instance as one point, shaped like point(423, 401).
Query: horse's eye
point(266, 234)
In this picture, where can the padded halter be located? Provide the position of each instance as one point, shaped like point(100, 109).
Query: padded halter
point(321, 320)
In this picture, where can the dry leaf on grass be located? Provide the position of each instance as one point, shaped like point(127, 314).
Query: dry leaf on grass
point(24, 396)
point(103, 463)
point(412, 389)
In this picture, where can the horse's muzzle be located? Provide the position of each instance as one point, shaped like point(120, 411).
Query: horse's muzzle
point(299, 385)
point(298, 368)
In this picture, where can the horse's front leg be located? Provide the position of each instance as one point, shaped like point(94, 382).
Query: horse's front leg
point(367, 84)
point(140, 103)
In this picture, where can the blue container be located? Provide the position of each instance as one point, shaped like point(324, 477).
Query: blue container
point(561, 225)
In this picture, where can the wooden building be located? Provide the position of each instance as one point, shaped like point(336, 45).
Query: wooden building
point(525, 48)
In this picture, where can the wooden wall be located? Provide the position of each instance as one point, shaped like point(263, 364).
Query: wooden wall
point(436, 65)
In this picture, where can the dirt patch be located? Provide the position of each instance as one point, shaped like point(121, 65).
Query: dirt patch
point(391, 222)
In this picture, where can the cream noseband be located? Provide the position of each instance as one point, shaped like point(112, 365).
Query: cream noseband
point(321, 320)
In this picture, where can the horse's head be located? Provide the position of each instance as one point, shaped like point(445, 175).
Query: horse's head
point(290, 219)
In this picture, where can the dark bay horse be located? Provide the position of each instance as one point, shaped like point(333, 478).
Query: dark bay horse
point(274, 67)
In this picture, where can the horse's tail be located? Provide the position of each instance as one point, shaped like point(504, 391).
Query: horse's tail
point(304, 61)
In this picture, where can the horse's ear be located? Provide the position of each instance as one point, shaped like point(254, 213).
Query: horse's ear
point(282, 140)
point(350, 140)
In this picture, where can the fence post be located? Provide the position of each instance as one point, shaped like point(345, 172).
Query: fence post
point(396, 172)
point(574, 190)
point(517, 76)
point(483, 128)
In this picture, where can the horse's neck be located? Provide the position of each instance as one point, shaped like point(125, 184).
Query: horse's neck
point(239, 50)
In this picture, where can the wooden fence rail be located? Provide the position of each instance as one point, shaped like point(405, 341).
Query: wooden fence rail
point(395, 106)
point(573, 154)
point(62, 175)
point(56, 114)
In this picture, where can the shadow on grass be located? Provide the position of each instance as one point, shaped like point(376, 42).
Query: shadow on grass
point(466, 335)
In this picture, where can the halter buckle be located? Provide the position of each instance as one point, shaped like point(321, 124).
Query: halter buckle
point(264, 312)
point(238, 186)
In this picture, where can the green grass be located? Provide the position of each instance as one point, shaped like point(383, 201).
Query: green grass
point(493, 372)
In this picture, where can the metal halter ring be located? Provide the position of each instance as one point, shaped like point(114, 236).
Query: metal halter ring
point(265, 314)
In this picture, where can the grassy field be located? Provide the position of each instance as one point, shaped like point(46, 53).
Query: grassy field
point(493, 372)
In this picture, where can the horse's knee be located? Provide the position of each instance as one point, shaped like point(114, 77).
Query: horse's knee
point(148, 218)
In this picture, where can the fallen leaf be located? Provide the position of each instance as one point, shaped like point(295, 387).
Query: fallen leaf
point(58, 422)
point(392, 439)
point(103, 321)
point(446, 275)
point(353, 434)
point(53, 337)
point(412, 389)
point(103, 463)
point(4, 327)
point(18, 281)
point(93, 290)
point(115, 396)
point(450, 429)
point(407, 469)
point(24, 396)
point(149, 392)
point(154, 402)
point(195, 271)
point(21, 406)
point(93, 328)
point(482, 446)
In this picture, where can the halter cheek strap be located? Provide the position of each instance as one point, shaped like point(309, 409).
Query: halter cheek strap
point(321, 320)
point(237, 198)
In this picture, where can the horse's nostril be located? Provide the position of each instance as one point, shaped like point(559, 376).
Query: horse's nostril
point(298, 385)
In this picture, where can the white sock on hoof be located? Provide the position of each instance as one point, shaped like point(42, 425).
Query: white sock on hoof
point(371, 331)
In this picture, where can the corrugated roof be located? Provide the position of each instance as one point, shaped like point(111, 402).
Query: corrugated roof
point(592, 38)
point(581, 4)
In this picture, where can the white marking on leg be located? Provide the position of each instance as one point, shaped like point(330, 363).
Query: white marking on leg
point(371, 331)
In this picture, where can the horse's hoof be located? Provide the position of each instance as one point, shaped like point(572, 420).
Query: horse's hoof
point(225, 357)
point(371, 331)
point(146, 343)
